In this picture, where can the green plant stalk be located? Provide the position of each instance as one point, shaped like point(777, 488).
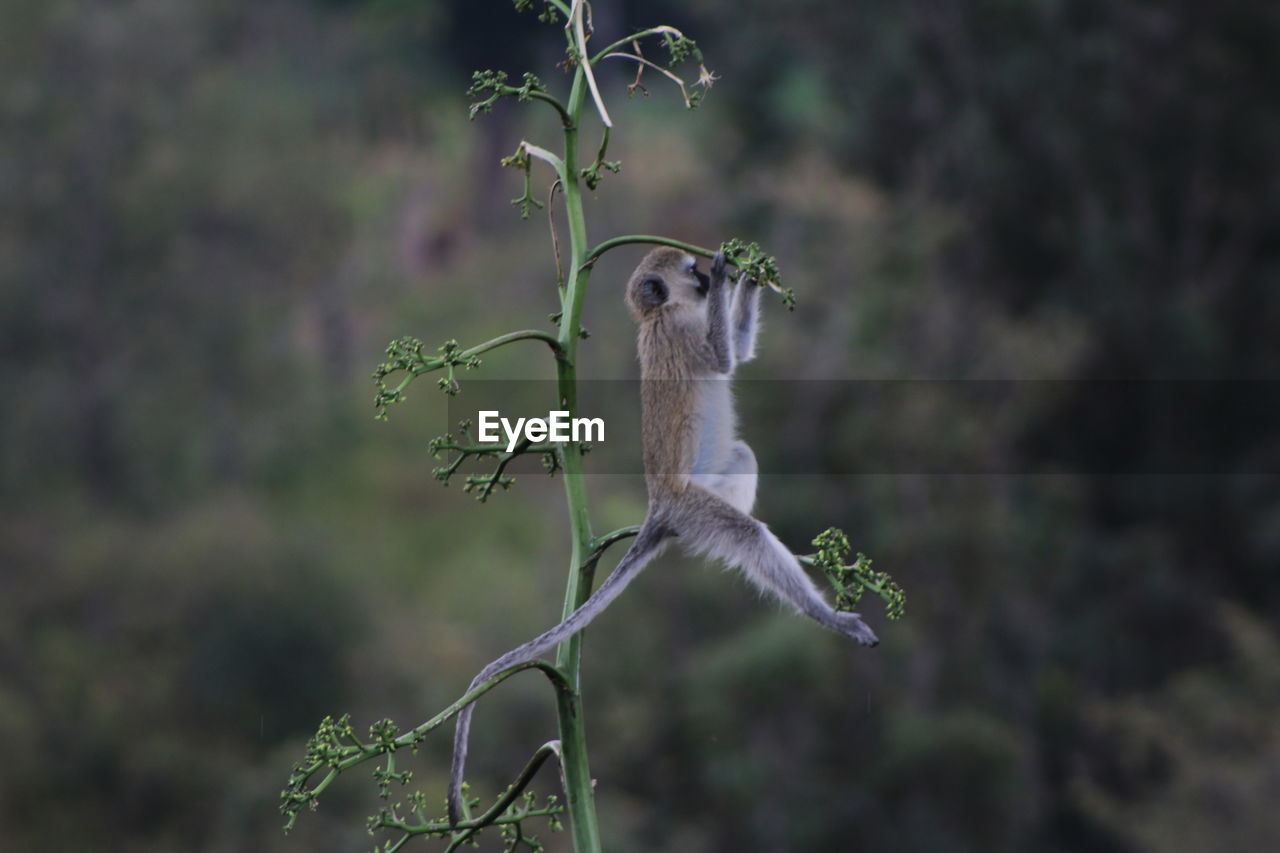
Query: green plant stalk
point(647, 239)
point(579, 798)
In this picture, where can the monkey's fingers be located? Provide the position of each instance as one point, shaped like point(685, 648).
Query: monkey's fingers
point(717, 265)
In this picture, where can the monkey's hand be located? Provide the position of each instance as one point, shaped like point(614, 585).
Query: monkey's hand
point(718, 334)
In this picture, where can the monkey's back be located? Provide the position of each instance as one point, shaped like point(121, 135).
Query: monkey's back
point(670, 380)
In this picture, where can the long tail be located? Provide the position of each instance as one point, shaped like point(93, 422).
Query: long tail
point(648, 543)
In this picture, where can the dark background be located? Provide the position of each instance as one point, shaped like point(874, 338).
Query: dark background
point(214, 215)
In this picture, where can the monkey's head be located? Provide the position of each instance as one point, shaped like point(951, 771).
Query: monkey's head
point(667, 280)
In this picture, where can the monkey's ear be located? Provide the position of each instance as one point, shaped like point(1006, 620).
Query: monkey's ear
point(653, 292)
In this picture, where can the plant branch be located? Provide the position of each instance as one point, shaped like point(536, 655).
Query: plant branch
point(496, 450)
point(336, 747)
point(591, 174)
point(850, 581)
point(437, 362)
point(545, 156)
point(555, 237)
point(673, 77)
point(509, 796)
point(652, 31)
point(602, 543)
point(630, 239)
point(599, 546)
point(406, 355)
point(746, 257)
point(486, 483)
point(584, 62)
point(545, 97)
point(552, 673)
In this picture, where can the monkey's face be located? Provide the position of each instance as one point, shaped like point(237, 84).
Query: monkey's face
point(667, 280)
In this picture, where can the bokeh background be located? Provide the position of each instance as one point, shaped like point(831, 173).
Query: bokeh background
point(214, 215)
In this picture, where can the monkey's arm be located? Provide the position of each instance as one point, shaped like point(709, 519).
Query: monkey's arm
point(718, 318)
point(746, 314)
point(648, 543)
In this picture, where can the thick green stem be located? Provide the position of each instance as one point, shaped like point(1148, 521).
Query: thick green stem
point(579, 798)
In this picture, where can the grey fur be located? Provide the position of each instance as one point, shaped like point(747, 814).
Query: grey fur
point(718, 319)
point(746, 322)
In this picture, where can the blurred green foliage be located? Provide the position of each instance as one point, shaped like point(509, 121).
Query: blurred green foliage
point(213, 215)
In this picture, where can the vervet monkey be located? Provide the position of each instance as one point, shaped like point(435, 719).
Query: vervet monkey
point(701, 479)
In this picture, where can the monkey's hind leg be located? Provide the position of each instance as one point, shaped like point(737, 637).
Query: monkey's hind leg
point(714, 528)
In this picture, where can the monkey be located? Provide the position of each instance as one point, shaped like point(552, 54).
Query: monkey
point(700, 477)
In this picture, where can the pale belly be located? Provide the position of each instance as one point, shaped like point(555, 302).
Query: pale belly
point(716, 429)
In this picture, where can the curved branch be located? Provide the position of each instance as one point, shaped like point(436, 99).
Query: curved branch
point(523, 335)
point(416, 734)
point(407, 358)
point(602, 543)
point(513, 791)
point(500, 341)
point(598, 547)
point(652, 31)
point(545, 156)
point(496, 449)
point(555, 237)
point(486, 483)
point(629, 239)
point(560, 5)
point(362, 752)
point(684, 93)
point(553, 674)
point(545, 97)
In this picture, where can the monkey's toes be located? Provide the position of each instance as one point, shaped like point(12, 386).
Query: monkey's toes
point(852, 626)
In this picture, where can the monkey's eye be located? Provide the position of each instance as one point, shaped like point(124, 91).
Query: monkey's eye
point(653, 292)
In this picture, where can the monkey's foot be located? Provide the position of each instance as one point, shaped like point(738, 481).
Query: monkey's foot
point(852, 626)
